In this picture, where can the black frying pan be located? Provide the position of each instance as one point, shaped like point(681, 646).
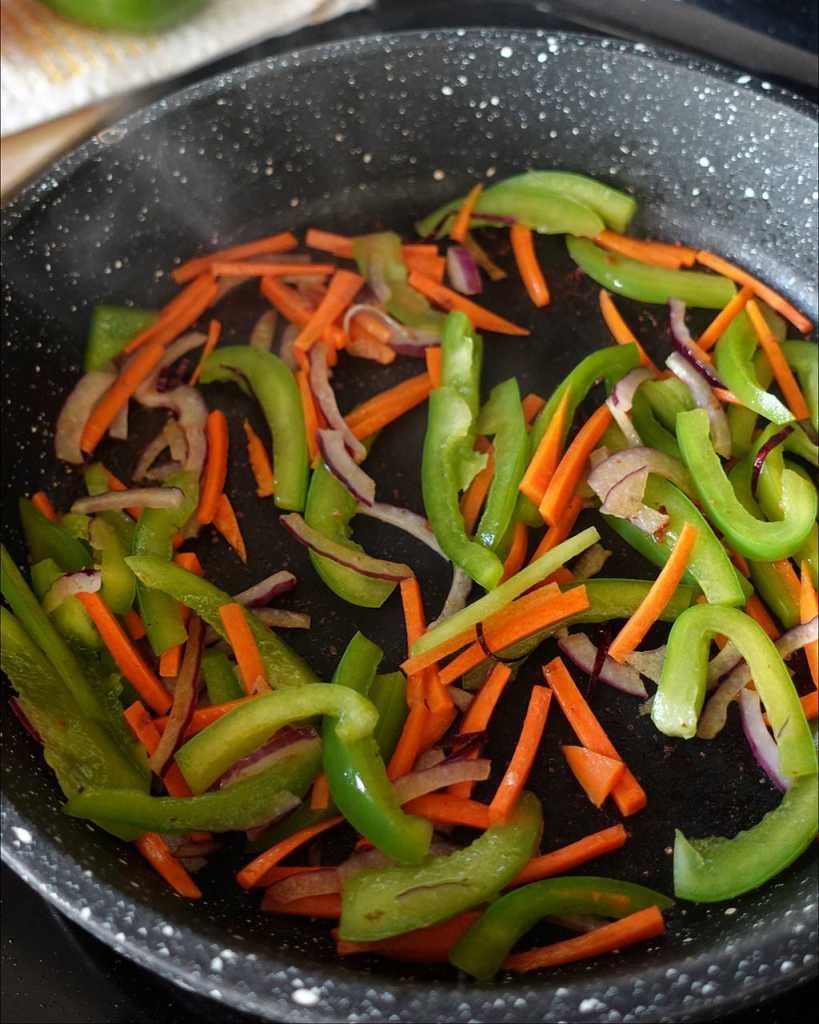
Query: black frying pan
point(350, 137)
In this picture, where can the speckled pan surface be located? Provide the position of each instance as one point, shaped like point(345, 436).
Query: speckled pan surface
point(360, 134)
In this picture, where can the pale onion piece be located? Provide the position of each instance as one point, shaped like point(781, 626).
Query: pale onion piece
point(580, 650)
point(361, 562)
point(74, 414)
point(625, 498)
point(133, 497)
point(86, 581)
point(350, 475)
point(265, 590)
point(403, 519)
point(325, 397)
point(705, 398)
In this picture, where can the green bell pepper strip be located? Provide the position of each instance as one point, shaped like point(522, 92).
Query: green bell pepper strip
point(96, 482)
point(803, 359)
point(388, 693)
point(502, 417)
point(681, 691)
point(50, 540)
point(153, 535)
point(380, 255)
point(220, 678)
point(356, 775)
point(210, 753)
point(329, 509)
point(302, 817)
point(747, 534)
point(741, 418)
point(652, 432)
point(720, 868)
point(283, 667)
point(615, 207)
point(667, 398)
point(76, 526)
point(484, 946)
point(110, 330)
point(735, 364)
point(245, 804)
point(70, 618)
point(709, 567)
point(127, 15)
point(276, 391)
point(376, 904)
point(647, 283)
point(461, 364)
point(118, 582)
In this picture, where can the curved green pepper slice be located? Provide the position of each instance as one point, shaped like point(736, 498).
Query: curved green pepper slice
point(70, 618)
point(50, 540)
point(803, 358)
point(110, 330)
point(381, 254)
point(652, 432)
point(734, 360)
point(389, 695)
point(502, 416)
point(220, 677)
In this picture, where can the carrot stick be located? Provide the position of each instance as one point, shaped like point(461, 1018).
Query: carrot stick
point(808, 609)
point(343, 288)
point(517, 551)
point(658, 254)
point(658, 596)
point(297, 309)
point(42, 503)
point(213, 479)
point(479, 713)
point(432, 356)
point(105, 411)
point(384, 408)
point(320, 794)
point(225, 521)
point(810, 705)
point(373, 325)
point(446, 809)
point(224, 269)
point(460, 225)
point(145, 730)
point(134, 624)
point(482, 258)
point(620, 330)
point(203, 717)
point(449, 300)
point(179, 314)
point(558, 862)
point(781, 370)
point(561, 529)
point(259, 462)
point(523, 247)
point(362, 345)
point(263, 246)
point(570, 469)
point(475, 495)
point(724, 395)
point(596, 773)
point(523, 759)
point(326, 241)
point(115, 484)
point(628, 793)
point(544, 462)
point(241, 639)
point(430, 266)
point(532, 404)
point(170, 661)
point(757, 610)
point(254, 874)
point(762, 291)
point(437, 725)
point(409, 743)
point(327, 906)
point(438, 699)
point(214, 331)
point(423, 945)
point(562, 576)
point(128, 659)
point(788, 578)
point(637, 927)
point(721, 322)
point(156, 851)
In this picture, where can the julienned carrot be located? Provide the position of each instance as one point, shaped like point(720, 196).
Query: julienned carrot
point(721, 322)
point(543, 463)
point(170, 661)
point(558, 862)
point(308, 408)
point(724, 395)
point(460, 225)
point(523, 247)
point(297, 309)
point(808, 609)
point(482, 258)
point(740, 561)
point(517, 551)
point(214, 332)
point(362, 345)
point(660, 254)
point(628, 793)
point(424, 945)
point(561, 529)
point(105, 411)
point(781, 370)
point(419, 249)
point(436, 725)
point(757, 610)
point(384, 408)
point(327, 906)
point(203, 717)
point(433, 265)
point(562, 576)
point(175, 319)
point(134, 624)
point(620, 330)
point(145, 730)
point(259, 462)
point(225, 521)
point(432, 357)
point(409, 742)
point(128, 659)
point(326, 241)
point(438, 698)
point(42, 503)
point(190, 561)
point(282, 242)
point(226, 269)
point(255, 873)
point(658, 596)
point(637, 927)
point(343, 288)
point(596, 773)
point(374, 326)
point(475, 494)
point(446, 809)
point(762, 291)
point(449, 300)
point(523, 759)
point(570, 469)
point(479, 713)
point(320, 794)
point(213, 479)
point(245, 648)
point(788, 578)
point(157, 852)
point(532, 404)
point(810, 705)
point(115, 484)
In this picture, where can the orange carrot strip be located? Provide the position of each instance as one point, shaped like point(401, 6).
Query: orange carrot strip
point(179, 314)
point(757, 610)
point(320, 794)
point(558, 862)
point(460, 225)
point(475, 494)
point(308, 408)
point(655, 253)
point(419, 249)
point(373, 325)
point(189, 560)
point(628, 793)
point(105, 411)
point(446, 809)
point(214, 332)
point(157, 852)
point(570, 469)
point(259, 462)
point(115, 484)
point(596, 773)
point(785, 378)
point(523, 759)
point(562, 576)
point(517, 551)
point(808, 609)
point(388, 406)
point(620, 330)
point(326, 241)
point(722, 321)
point(409, 742)
point(134, 624)
point(145, 730)
point(429, 945)
point(532, 404)
point(128, 659)
point(480, 710)
point(227, 524)
point(42, 503)
point(741, 562)
point(272, 269)
point(213, 478)
point(637, 927)
point(436, 725)
point(438, 699)
point(544, 462)
point(433, 266)
point(297, 309)
point(170, 662)
point(241, 639)
point(762, 291)
point(788, 578)
point(412, 604)
point(254, 874)
point(523, 247)
point(561, 529)
point(432, 356)
point(362, 345)
point(726, 396)
point(327, 906)
point(203, 717)
point(810, 705)
point(343, 288)
point(282, 242)
point(449, 300)
point(658, 596)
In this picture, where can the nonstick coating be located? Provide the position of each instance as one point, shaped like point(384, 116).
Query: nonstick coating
point(351, 137)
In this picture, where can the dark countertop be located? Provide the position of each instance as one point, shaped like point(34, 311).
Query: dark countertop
point(52, 971)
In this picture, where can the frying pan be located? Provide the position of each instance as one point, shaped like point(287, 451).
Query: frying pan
point(350, 137)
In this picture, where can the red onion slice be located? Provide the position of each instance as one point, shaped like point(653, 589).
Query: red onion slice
point(705, 398)
point(281, 618)
point(591, 561)
point(74, 414)
point(320, 882)
point(336, 455)
point(621, 399)
point(403, 519)
point(625, 498)
point(191, 412)
point(119, 428)
point(583, 653)
point(609, 471)
point(447, 773)
point(324, 395)
point(281, 809)
point(263, 331)
point(358, 560)
point(462, 271)
point(623, 421)
point(288, 340)
point(461, 699)
point(288, 740)
point(134, 497)
point(649, 520)
point(456, 597)
point(721, 664)
point(648, 663)
point(185, 696)
point(24, 720)
point(687, 347)
point(763, 453)
point(265, 590)
point(405, 341)
point(151, 453)
point(86, 581)
point(762, 744)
